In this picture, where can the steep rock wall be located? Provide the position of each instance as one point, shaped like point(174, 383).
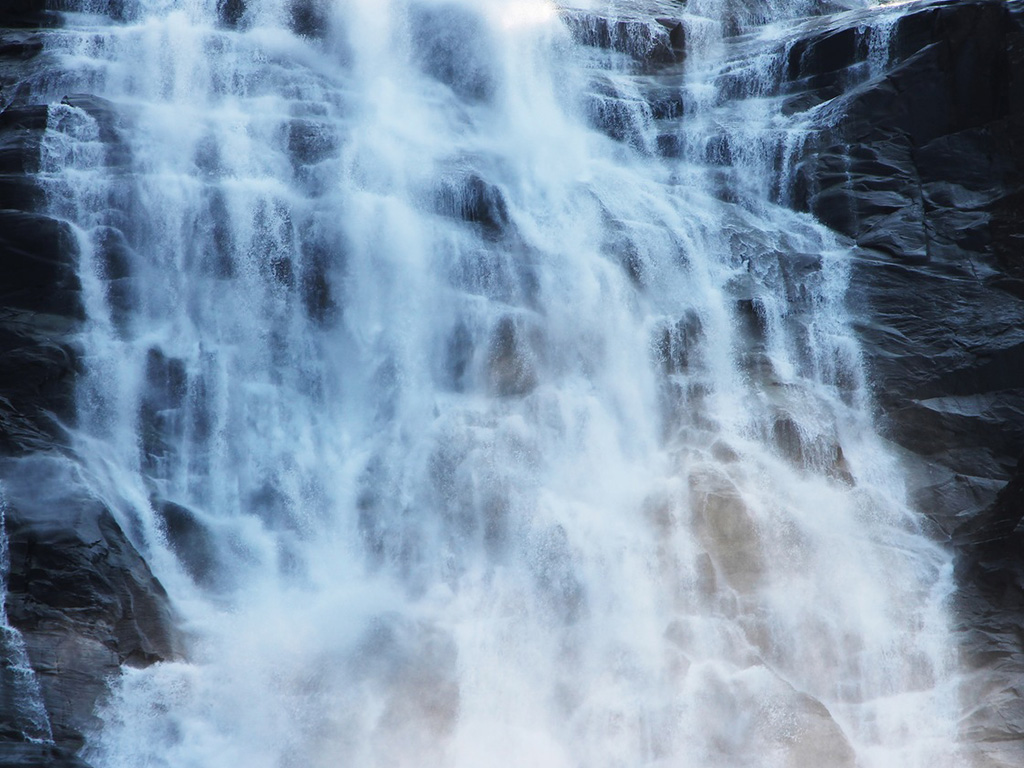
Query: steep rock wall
point(79, 596)
point(922, 165)
point(918, 159)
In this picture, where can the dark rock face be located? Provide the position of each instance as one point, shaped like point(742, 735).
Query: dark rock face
point(652, 50)
point(80, 600)
point(923, 165)
point(648, 41)
point(990, 603)
point(29, 755)
point(39, 294)
point(27, 14)
point(83, 599)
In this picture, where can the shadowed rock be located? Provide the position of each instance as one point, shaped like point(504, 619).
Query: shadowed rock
point(83, 599)
point(512, 360)
point(474, 200)
point(29, 755)
point(452, 45)
point(649, 41)
point(923, 166)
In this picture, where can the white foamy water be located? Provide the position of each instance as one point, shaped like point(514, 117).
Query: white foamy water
point(463, 433)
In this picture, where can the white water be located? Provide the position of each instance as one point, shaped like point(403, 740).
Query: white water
point(592, 482)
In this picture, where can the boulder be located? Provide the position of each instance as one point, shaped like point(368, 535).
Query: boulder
point(648, 41)
point(81, 596)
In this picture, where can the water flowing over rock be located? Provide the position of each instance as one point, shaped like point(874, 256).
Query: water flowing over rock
point(79, 601)
point(921, 162)
point(451, 383)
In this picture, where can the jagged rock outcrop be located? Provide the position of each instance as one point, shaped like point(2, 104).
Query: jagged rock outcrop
point(82, 597)
point(80, 600)
point(922, 164)
point(649, 42)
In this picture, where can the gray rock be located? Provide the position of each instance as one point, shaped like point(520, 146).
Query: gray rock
point(82, 597)
point(80, 601)
point(923, 166)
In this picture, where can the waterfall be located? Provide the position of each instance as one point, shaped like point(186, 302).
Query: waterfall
point(477, 398)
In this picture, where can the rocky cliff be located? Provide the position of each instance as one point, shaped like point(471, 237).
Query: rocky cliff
point(915, 154)
point(922, 165)
point(80, 600)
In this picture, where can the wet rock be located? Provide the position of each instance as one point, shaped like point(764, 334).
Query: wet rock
point(190, 539)
point(39, 295)
point(815, 739)
point(648, 40)
point(33, 755)
point(928, 140)
point(617, 115)
point(923, 165)
point(459, 350)
point(755, 712)
point(27, 14)
point(311, 141)
point(17, 47)
point(40, 269)
point(474, 200)
point(827, 53)
point(108, 120)
point(21, 128)
point(231, 12)
point(309, 17)
point(452, 45)
point(416, 663)
point(82, 598)
point(674, 343)
point(215, 228)
point(37, 369)
point(160, 410)
point(555, 577)
point(989, 604)
point(788, 439)
point(512, 360)
point(318, 263)
point(81, 602)
point(727, 530)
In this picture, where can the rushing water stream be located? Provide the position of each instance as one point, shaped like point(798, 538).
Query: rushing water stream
point(476, 412)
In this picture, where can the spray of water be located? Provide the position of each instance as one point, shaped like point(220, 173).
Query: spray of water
point(465, 424)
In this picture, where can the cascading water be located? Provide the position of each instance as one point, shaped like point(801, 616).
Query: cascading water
point(464, 422)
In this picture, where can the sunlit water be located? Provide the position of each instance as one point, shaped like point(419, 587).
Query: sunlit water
point(463, 425)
